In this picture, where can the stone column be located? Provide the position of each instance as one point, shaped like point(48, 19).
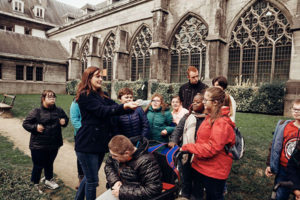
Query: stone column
point(159, 56)
point(293, 84)
point(216, 45)
point(93, 58)
point(74, 68)
point(120, 65)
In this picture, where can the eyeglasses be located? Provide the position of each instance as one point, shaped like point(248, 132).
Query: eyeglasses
point(295, 110)
point(51, 97)
point(206, 100)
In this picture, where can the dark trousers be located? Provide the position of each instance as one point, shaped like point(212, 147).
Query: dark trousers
point(79, 170)
point(186, 177)
point(213, 187)
point(42, 159)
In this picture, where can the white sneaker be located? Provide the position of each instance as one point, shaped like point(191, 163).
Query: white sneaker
point(37, 188)
point(43, 179)
point(51, 184)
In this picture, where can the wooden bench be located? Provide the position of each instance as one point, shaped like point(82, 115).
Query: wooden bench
point(6, 104)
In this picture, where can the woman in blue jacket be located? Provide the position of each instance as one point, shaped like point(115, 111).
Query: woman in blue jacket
point(95, 132)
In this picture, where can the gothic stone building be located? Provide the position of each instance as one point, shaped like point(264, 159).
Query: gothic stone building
point(244, 40)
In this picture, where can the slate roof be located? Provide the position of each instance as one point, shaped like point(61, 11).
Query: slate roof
point(53, 12)
point(16, 45)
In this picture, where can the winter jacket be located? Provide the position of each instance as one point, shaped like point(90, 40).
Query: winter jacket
point(95, 132)
point(131, 124)
point(51, 137)
point(75, 116)
point(187, 92)
point(178, 115)
point(140, 177)
point(293, 168)
point(277, 144)
point(182, 127)
point(159, 120)
point(210, 158)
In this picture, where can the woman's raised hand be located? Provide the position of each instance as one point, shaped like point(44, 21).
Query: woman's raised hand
point(131, 105)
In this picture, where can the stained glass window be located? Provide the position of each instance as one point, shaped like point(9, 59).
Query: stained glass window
point(260, 46)
point(84, 54)
point(188, 48)
point(108, 55)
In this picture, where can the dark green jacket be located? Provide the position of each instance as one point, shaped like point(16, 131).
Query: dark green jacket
point(158, 121)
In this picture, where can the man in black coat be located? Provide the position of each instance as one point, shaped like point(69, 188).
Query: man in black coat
point(188, 90)
point(293, 169)
point(131, 172)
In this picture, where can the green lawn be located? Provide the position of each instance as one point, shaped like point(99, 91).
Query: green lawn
point(246, 181)
point(15, 171)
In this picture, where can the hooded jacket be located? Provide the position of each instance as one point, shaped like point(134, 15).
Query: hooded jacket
point(140, 177)
point(51, 137)
point(210, 158)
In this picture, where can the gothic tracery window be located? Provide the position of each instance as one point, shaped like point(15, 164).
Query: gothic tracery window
point(260, 46)
point(188, 48)
point(108, 55)
point(140, 55)
point(83, 56)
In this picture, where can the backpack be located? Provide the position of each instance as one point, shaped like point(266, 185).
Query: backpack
point(237, 150)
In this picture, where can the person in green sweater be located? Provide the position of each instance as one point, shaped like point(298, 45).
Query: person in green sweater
point(160, 119)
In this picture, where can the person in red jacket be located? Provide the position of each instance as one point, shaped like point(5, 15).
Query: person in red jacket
point(211, 164)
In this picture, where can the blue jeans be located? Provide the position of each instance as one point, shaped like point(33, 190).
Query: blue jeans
point(213, 187)
point(90, 164)
point(282, 193)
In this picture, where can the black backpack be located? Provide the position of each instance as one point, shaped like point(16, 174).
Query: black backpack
point(237, 150)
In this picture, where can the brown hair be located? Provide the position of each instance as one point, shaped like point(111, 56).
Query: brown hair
point(164, 106)
point(217, 95)
point(228, 103)
point(124, 91)
point(85, 83)
point(175, 97)
point(222, 81)
point(120, 144)
point(46, 93)
point(296, 101)
point(191, 69)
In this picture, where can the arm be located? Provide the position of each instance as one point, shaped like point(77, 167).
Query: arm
point(181, 94)
point(111, 173)
point(169, 122)
point(176, 136)
point(222, 134)
point(31, 121)
point(149, 172)
point(63, 115)
point(75, 116)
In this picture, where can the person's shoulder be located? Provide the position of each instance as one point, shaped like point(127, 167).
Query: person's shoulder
point(184, 85)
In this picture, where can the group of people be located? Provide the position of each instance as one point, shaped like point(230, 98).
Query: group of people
point(201, 122)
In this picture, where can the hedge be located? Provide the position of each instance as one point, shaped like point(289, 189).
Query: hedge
point(140, 88)
point(71, 86)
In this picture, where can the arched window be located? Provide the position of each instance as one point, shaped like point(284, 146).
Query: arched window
point(188, 48)
point(108, 55)
point(140, 55)
point(83, 56)
point(260, 46)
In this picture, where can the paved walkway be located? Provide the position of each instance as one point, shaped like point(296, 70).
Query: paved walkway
point(65, 163)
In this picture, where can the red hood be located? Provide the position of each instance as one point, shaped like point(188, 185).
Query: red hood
point(225, 110)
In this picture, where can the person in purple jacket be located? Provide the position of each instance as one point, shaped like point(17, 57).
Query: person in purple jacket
point(91, 141)
point(134, 122)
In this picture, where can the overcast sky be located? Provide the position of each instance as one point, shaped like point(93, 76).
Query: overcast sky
point(80, 3)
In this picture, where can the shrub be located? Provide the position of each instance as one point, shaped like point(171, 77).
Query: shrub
point(71, 86)
point(167, 90)
point(140, 88)
point(268, 98)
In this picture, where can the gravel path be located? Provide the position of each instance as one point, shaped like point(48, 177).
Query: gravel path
point(65, 163)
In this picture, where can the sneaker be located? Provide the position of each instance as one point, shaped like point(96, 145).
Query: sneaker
point(43, 179)
point(37, 188)
point(51, 184)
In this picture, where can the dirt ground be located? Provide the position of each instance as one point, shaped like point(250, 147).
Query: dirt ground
point(65, 163)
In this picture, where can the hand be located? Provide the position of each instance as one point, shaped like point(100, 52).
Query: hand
point(40, 128)
point(164, 132)
point(62, 121)
point(171, 144)
point(131, 105)
point(268, 172)
point(116, 192)
point(117, 185)
point(297, 194)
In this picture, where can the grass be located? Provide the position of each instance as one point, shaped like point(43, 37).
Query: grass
point(247, 180)
point(15, 171)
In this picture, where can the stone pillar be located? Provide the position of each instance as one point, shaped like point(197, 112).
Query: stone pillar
point(93, 58)
point(216, 45)
point(74, 69)
point(120, 64)
point(159, 56)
